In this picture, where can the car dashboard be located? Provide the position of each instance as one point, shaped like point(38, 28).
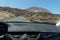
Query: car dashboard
point(31, 31)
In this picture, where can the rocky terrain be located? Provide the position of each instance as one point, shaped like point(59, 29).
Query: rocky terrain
point(6, 16)
point(37, 15)
point(37, 9)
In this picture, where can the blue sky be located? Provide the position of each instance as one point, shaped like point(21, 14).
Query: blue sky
point(52, 5)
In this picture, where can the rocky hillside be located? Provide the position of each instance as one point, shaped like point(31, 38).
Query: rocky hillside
point(6, 16)
point(37, 9)
point(43, 15)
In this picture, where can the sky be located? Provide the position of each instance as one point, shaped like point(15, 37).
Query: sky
point(51, 5)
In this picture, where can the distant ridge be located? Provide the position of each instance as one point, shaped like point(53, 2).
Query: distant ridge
point(37, 9)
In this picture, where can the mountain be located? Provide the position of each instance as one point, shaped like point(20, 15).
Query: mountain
point(15, 11)
point(43, 15)
point(37, 9)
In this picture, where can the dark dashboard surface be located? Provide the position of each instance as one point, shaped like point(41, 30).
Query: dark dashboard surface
point(32, 27)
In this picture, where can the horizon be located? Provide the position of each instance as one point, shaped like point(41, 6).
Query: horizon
point(51, 5)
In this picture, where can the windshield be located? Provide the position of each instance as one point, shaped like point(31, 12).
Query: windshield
point(30, 19)
point(26, 11)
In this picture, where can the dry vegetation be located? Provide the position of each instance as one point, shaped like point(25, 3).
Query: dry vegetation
point(6, 16)
point(32, 16)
